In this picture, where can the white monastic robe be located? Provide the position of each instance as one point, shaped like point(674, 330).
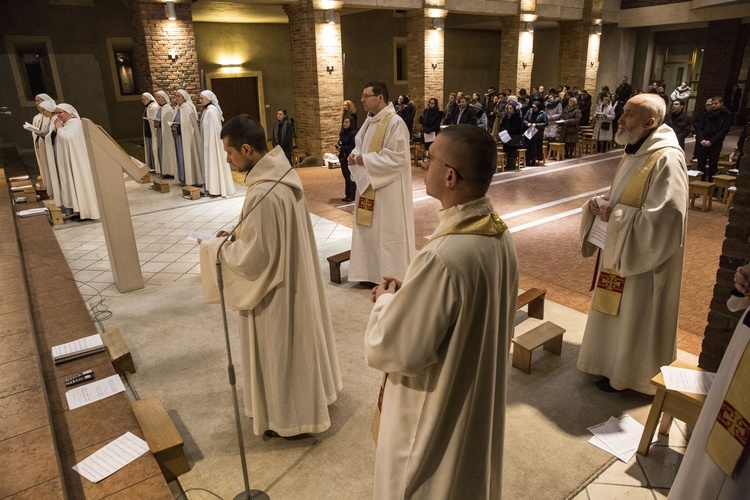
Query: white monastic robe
point(191, 141)
point(73, 159)
point(42, 123)
point(168, 157)
point(699, 477)
point(290, 370)
point(387, 247)
point(54, 184)
point(646, 246)
point(443, 340)
point(216, 169)
point(150, 144)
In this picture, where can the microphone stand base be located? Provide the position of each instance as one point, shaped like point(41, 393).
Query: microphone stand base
point(251, 495)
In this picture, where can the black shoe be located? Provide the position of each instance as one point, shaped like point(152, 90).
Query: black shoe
point(603, 385)
point(347, 200)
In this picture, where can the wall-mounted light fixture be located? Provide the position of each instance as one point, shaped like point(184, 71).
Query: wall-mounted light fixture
point(524, 65)
point(172, 54)
point(529, 27)
point(438, 23)
point(330, 16)
point(598, 29)
point(169, 10)
point(434, 66)
point(329, 69)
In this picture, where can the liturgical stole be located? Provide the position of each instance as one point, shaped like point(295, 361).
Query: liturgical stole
point(728, 443)
point(486, 225)
point(366, 205)
point(609, 284)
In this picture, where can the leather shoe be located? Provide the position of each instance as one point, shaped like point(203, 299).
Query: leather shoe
point(603, 385)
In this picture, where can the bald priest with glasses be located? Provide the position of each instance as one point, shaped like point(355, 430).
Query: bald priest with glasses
point(441, 337)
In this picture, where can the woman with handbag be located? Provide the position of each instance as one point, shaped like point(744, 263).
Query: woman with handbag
point(513, 125)
point(603, 118)
point(535, 119)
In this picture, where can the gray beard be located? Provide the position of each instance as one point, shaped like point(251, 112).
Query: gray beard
point(624, 137)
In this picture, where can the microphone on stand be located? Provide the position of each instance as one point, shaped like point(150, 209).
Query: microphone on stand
point(247, 494)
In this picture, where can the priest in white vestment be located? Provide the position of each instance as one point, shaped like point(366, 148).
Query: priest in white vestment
point(442, 338)
point(632, 325)
point(73, 160)
point(150, 145)
point(216, 170)
point(187, 140)
point(380, 164)
point(42, 121)
point(713, 466)
point(164, 136)
point(290, 370)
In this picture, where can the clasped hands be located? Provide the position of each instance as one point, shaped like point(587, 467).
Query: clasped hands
point(389, 285)
point(742, 279)
point(355, 159)
point(602, 210)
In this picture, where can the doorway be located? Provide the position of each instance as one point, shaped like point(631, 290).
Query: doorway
point(238, 93)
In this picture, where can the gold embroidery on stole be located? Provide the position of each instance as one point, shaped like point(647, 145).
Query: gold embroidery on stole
point(728, 440)
point(609, 284)
point(366, 205)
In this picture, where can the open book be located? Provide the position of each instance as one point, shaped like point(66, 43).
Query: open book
point(31, 128)
point(77, 349)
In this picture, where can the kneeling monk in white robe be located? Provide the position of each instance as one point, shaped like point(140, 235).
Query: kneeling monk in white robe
point(290, 370)
point(442, 338)
point(632, 326)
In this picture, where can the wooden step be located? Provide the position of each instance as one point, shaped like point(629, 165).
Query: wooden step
point(191, 192)
point(547, 334)
point(118, 352)
point(335, 261)
point(162, 437)
point(534, 297)
point(160, 185)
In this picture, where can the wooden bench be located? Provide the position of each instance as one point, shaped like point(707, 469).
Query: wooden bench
point(548, 335)
point(704, 189)
point(146, 179)
point(55, 213)
point(191, 192)
point(335, 261)
point(534, 297)
point(162, 437)
point(160, 185)
point(674, 404)
point(117, 350)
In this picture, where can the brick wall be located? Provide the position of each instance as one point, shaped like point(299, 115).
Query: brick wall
point(722, 53)
point(509, 76)
point(573, 53)
point(154, 36)
point(318, 94)
point(734, 253)
point(426, 46)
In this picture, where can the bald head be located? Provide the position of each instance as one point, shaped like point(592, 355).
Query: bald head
point(649, 106)
point(641, 115)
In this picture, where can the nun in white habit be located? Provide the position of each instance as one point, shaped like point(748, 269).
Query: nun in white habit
point(187, 140)
point(48, 149)
point(41, 121)
point(150, 150)
point(73, 160)
point(165, 139)
point(216, 170)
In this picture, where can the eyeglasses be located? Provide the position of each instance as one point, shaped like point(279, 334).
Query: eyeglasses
point(60, 112)
point(427, 159)
point(365, 96)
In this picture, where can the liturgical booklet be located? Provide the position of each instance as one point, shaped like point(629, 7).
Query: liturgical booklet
point(77, 348)
point(111, 458)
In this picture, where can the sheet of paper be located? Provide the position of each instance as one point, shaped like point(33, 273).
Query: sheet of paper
point(429, 137)
point(360, 177)
point(194, 235)
point(111, 458)
point(598, 232)
point(530, 132)
point(95, 391)
point(152, 118)
point(31, 128)
point(684, 380)
point(31, 211)
point(504, 136)
point(619, 436)
point(84, 344)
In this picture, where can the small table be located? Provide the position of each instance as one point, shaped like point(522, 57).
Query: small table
point(674, 404)
point(704, 189)
point(723, 183)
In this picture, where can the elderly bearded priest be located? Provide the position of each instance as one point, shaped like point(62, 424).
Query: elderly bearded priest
point(443, 400)
point(632, 325)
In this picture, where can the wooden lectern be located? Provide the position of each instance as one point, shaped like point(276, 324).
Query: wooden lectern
point(108, 160)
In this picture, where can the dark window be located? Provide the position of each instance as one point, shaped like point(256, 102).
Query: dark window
point(126, 72)
point(37, 73)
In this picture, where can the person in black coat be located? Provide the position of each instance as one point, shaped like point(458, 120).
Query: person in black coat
point(584, 104)
point(535, 118)
point(679, 122)
point(513, 124)
point(430, 120)
point(709, 137)
point(345, 147)
point(282, 134)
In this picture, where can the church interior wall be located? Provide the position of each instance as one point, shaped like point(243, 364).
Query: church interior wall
point(78, 36)
point(609, 59)
point(257, 47)
point(546, 58)
point(472, 61)
point(642, 58)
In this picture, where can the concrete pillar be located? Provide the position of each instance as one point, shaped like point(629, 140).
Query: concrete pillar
point(516, 55)
point(164, 50)
point(425, 58)
point(318, 78)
